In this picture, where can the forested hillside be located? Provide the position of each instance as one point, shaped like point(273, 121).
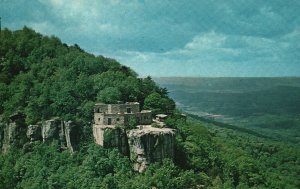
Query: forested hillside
point(41, 78)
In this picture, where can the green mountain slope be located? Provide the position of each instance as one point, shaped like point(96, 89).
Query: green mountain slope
point(41, 77)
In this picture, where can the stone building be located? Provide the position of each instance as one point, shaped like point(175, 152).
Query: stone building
point(143, 143)
point(112, 120)
point(120, 114)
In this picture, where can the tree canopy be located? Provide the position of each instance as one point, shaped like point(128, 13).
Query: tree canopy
point(42, 78)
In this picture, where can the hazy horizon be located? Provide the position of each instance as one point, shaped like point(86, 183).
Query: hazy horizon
point(225, 77)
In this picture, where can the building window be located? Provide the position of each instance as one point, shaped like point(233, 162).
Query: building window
point(109, 121)
point(128, 110)
point(118, 119)
point(99, 119)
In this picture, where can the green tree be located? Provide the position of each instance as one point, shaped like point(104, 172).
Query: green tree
point(159, 104)
point(109, 95)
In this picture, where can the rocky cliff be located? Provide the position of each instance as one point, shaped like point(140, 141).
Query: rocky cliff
point(63, 131)
point(148, 144)
point(143, 145)
point(17, 133)
point(111, 137)
point(13, 132)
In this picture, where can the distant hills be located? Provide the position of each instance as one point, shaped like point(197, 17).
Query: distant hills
point(264, 104)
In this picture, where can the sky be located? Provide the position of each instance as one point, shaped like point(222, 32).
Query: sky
point(208, 38)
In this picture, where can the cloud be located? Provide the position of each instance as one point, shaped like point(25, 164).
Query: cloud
point(207, 40)
point(216, 54)
point(197, 36)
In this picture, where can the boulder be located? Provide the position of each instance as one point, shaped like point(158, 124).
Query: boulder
point(148, 144)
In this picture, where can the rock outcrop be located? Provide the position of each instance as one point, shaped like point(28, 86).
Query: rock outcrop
point(52, 129)
point(148, 144)
point(111, 137)
point(143, 145)
point(34, 133)
point(16, 133)
point(63, 131)
point(71, 135)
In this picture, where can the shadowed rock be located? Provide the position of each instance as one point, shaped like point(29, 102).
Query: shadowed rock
point(34, 132)
point(14, 132)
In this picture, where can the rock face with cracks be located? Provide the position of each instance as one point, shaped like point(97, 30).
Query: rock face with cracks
point(111, 137)
point(149, 144)
point(52, 129)
point(114, 127)
point(16, 133)
point(63, 131)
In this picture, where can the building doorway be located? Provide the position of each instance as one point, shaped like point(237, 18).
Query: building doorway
point(109, 121)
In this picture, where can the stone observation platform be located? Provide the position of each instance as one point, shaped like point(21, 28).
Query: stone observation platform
point(143, 143)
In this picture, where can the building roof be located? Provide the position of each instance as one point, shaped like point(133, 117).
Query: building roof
point(131, 103)
point(119, 103)
point(161, 115)
point(145, 111)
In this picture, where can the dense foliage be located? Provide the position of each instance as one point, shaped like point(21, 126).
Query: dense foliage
point(215, 158)
point(42, 78)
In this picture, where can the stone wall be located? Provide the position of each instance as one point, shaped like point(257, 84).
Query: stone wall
point(103, 119)
point(101, 108)
point(130, 107)
point(143, 118)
